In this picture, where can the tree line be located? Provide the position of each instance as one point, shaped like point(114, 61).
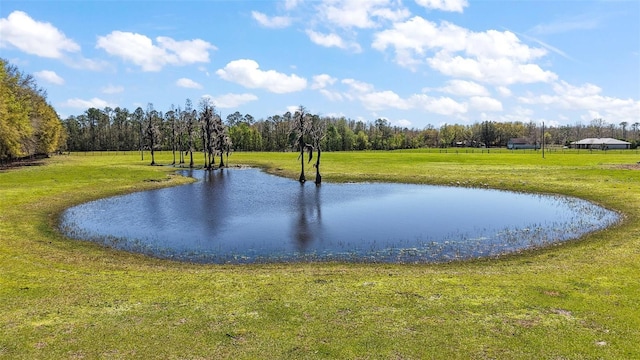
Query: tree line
point(120, 129)
point(28, 124)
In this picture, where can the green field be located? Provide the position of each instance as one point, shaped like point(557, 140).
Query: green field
point(67, 299)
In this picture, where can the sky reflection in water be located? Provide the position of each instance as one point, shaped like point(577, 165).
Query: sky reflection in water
point(245, 215)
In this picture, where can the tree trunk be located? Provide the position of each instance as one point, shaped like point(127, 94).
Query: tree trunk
point(318, 176)
point(153, 157)
point(302, 178)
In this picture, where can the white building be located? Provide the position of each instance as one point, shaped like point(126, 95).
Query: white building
point(600, 143)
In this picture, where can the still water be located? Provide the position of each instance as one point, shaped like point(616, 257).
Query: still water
point(246, 215)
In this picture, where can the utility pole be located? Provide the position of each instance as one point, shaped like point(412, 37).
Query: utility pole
point(543, 139)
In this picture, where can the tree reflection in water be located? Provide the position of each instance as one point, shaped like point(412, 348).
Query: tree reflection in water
point(308, 224)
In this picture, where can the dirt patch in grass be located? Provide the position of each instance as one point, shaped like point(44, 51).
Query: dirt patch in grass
point(635, 166)
point(6, 165)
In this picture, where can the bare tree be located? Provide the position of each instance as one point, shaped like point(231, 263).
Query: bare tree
point(598, 124)
point(318, 130)
point(624, 129)
point(301, 126)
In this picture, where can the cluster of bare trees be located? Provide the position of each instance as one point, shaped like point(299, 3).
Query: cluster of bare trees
point(28, 124)
point(309, 131)
point(181, 130)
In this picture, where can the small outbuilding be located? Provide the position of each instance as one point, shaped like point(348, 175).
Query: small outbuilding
point(600, 143)
point(521, 143)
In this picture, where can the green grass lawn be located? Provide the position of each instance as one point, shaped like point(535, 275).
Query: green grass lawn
point(67, 299)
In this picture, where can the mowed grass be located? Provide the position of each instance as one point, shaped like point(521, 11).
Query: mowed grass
point(67, 299)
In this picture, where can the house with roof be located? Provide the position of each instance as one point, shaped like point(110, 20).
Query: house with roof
point(521, 143)
point(600, 143)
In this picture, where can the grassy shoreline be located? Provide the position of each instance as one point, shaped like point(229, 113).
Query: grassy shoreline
point(71, 299)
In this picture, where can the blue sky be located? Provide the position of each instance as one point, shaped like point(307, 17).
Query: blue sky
point(414, 63)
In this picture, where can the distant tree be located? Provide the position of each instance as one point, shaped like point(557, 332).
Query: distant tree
point(598, 124)
point(207, 125)
point(181, 133)
point(171, 119)
point(488, 133)
point(624, 125)
point(447, 135)
point(152, 132)
point(190, 116)
point(122, 134)
point(225, 146)
point(234, 119)
point(362, 140)
point(138, 119)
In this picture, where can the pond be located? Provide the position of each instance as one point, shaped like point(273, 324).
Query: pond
point(245, 216)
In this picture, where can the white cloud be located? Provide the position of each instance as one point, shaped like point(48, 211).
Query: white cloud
point(332, 95)
point(247, 73)
point(111, 89)
point(188, 83)
point(484, 103)
point(358, 86)
point(79, 62)
point(291, 4)
point(440, 105)
point(496, 57)
point(504, 91)
point(275, 22)
point(321, 81)
point(328, 40)
point(140, 50)
point(231, 100)
point(444, 5)
point(34, 37)
point(85, 104)
point(49, 76)
point(186, 51)
point(501, 71)
point(360, 14)
point(495, 44)
point(402, 123)
point(587, 98)
point(413, 38)
point(518, 113)
point(383, 100)
point(464, 88)
point(332, 40)
point(380, 100)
